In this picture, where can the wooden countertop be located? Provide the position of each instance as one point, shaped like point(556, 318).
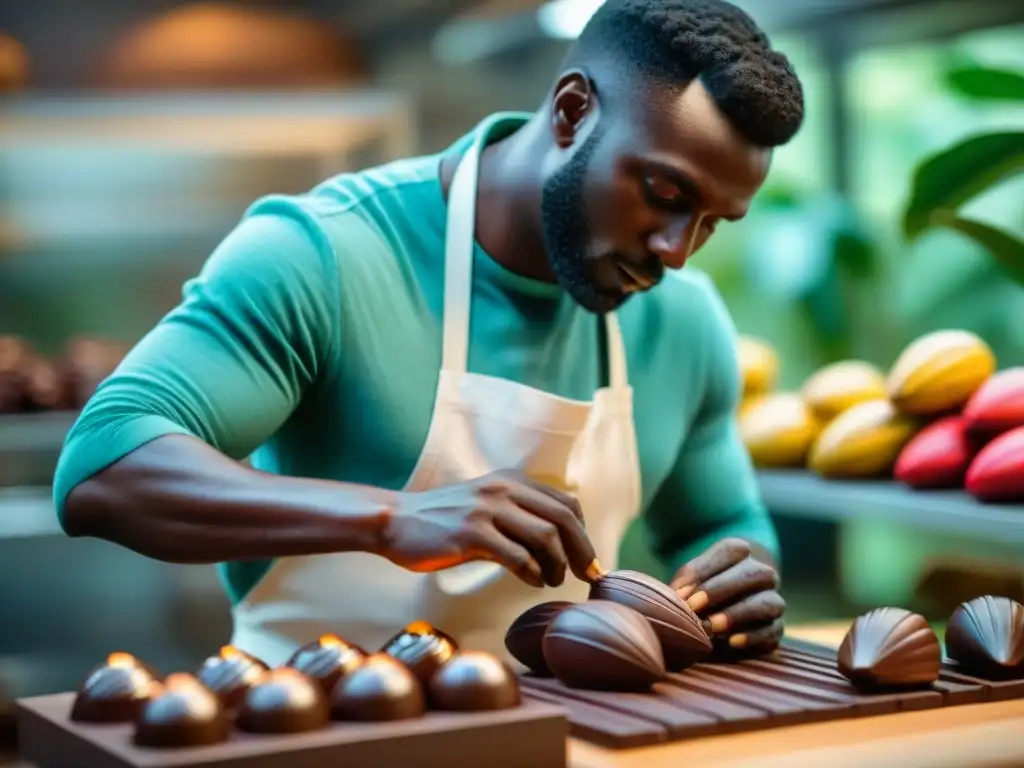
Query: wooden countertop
point(972, 736)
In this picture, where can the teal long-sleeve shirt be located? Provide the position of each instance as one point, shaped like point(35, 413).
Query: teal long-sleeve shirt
point(311, 341)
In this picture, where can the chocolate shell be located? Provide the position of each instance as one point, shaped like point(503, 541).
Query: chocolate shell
point(230, 674)
point(524, 638)
point(380, 689)
point(182, 713)
point(327, 660)
point(890, 648)
point(605, 646)
point(985, 636)
point(422, 648)
point(683, 639)
point(114, 691)
point(284, 701)
point(474, 681)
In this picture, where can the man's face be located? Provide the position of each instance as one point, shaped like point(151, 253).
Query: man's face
point(642, 192)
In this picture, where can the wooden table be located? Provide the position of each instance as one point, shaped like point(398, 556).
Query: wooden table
point(973, 736)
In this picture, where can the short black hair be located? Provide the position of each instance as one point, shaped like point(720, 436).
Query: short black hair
point(678, 41)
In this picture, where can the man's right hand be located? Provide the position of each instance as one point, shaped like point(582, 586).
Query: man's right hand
point(531, 529)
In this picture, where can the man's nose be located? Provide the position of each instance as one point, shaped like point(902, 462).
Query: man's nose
point(674, 243)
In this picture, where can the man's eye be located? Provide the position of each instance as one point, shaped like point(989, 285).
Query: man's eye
point(662, 193)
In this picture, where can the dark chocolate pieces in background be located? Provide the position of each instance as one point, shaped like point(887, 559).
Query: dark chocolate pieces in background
point(683, 639)
point(114, 691)
point(283, 701)
point(182, 713)
point(380, 689)
point(985, 636)
point(890, 648)
point(524, 639)
point(603, 645)
point(474, 681)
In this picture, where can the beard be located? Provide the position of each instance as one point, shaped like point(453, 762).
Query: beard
point(566, 232)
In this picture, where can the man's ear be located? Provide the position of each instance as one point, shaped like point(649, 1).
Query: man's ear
point(572, 102)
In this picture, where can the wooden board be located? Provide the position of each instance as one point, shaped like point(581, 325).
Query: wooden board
point(531, 735)
point(798, 684)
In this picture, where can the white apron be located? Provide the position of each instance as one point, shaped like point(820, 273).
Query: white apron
point(480, 424)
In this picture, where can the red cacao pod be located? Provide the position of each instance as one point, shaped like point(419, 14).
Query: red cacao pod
point(937, 457)
point(997, 472)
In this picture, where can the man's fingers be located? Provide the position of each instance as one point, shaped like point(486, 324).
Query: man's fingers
point(752, 642)
point(541, 538)
point(747, 578)
point(759, 609)
point(717, 558)
point(576, 544)
point(567, 500)
point(488, 543)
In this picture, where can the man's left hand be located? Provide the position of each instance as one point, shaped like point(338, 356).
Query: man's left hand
point(737, 597)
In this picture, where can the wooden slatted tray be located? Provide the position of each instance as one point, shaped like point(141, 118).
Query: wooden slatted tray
point(797, 684)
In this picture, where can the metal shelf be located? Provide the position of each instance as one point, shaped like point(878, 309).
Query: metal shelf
point(796, 493)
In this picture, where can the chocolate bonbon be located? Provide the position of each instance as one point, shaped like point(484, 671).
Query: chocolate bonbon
point(890, 648)
point(524, 639)
point(683, 639)
point(380, 689)
point(985, 636)
point(474, 681)
point(603, 645)
point(327, 660)
point(181, 712)
point(283, 701)
point(230, 674)
point(422, 648)
point(114, 691)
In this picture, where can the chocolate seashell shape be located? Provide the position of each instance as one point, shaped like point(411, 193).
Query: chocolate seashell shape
point(604, 646)
point(890, 648)
point(683, 639)
point(985, 636)
point(524, 639)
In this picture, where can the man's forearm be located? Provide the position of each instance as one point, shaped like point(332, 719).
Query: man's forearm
point(179, 500)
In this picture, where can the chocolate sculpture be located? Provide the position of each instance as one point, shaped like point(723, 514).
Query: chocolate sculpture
point(683, 639)
point(114, 691)
point(283, 701)
point(327, 660)
point(181, 713)
point(230, 674)
point(890, 648)
point(422, 648)
point(379, 689)
point(985, 636)
point(524, 638)
point(474, 681)
point(603, 645)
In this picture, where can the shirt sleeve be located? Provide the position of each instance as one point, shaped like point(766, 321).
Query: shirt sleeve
point(254, 330)
point(711, 492)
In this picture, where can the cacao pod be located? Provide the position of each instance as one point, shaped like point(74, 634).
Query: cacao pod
point(759, 365)
point(836, 387)
point(863, 441)
point(936, 457)
point(997, 406)
point(997, 472)
point(778, 430)
point(939, 372)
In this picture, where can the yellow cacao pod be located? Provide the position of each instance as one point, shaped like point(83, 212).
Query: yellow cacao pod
point(862, 441)
point(759, 365)
point(939, 371)
point(836, 387)
point(778, 429)
point(747, 403)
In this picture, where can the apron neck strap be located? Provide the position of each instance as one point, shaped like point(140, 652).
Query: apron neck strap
point(460, 238)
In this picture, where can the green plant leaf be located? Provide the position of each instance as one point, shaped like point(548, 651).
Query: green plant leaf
point(985, 84)
point(1006, 248)
point(948, 179)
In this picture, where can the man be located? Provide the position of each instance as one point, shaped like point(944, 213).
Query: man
point(440, 366)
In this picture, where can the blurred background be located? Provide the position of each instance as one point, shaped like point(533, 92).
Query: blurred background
point(133, 135)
